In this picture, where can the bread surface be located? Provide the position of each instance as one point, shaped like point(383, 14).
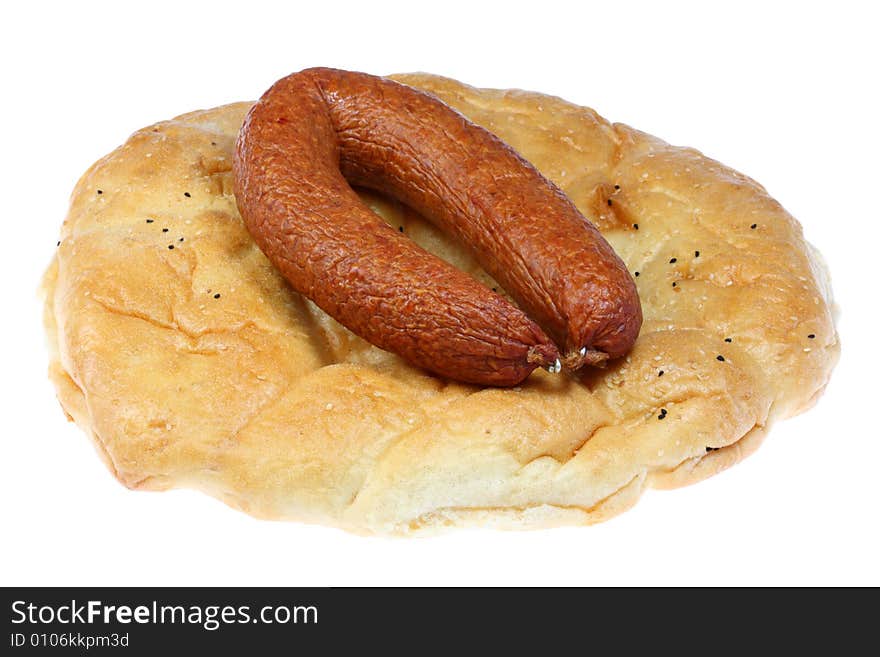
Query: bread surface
point(186, 357)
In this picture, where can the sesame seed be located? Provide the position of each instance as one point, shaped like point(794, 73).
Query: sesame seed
point(720, 358)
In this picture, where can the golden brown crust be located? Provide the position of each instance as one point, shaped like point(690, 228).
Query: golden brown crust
point(261, 400)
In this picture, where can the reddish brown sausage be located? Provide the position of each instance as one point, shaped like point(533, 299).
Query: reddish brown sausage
point(315, 131)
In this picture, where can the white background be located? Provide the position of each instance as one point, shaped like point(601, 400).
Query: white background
point(786, 95)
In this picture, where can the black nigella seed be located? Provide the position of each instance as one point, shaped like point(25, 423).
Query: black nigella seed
point(753, 226)
point(494, 289)
point(217, 296)
point(637, 274)
point(400, 228)
point(636, 226)
point(171, 247)
point(180, 240)
point(213, 143)
point(100, 191)
point(812, 336)
point(617, 187)
point(673, 260)
point(719, 357)
point(662, 414)
point(58, 243)
point(609, 202)
point(728, 339)
point(712, 449)
point(187, 194)
point(164, 230)
point(149, 221)
point(696, 254)
point(674, 284)
point(660, 373)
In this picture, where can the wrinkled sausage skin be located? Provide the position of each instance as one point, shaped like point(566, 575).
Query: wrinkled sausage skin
point(315, 132)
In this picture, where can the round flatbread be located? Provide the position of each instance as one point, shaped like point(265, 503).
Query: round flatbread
point(177, 346)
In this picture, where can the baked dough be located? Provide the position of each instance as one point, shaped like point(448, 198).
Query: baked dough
point(196, 366)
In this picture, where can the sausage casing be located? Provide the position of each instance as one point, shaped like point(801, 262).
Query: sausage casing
point(316, 132)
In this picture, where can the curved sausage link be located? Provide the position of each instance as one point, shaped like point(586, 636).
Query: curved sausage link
point(315, 131)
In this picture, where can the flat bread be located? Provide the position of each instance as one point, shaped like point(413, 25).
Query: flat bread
point(191, 363)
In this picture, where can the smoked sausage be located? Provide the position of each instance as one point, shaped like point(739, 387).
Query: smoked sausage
point(316, 132)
